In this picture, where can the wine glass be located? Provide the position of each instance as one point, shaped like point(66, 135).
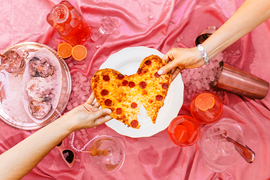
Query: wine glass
point(106, 153)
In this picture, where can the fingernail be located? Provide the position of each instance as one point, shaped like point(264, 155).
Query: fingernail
point(160, 72)
point(109, 111)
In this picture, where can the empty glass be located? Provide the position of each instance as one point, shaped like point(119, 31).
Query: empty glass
point(106, 26)
point(218, 153)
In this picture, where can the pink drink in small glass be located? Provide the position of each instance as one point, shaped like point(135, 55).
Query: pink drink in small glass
point(206, 108)
point(12, 61)
point(184, 131)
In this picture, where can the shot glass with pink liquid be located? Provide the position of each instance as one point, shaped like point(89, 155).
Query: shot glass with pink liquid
point(184, 131)
point(12, 61)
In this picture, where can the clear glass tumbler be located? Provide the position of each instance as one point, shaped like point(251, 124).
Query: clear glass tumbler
point(206, 108)
point(184, 131)
point(12, 61)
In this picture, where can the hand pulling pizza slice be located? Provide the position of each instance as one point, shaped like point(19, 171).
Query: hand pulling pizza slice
point(125, 94)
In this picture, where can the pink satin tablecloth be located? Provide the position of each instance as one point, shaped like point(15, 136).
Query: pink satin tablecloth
point(156, 24)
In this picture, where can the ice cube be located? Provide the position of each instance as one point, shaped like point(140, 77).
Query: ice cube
point(226, 148)
point(210, 150)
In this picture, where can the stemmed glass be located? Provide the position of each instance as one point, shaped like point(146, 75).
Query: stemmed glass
point(218, 153)
point(105, 153)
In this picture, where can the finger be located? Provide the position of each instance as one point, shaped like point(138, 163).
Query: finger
point(173, 70)
point(165, 69)
point(175, 73)
point(102, 120)
point(101, 113)
point(88, 107)
point(168, 56)
point(90, 99)
point(96, 105)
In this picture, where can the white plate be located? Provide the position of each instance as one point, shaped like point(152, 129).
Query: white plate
point(127, 61)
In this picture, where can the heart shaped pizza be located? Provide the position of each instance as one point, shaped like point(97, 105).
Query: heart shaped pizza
point(125, 94)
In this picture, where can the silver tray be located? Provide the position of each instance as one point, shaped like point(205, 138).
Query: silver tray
point(11, 106)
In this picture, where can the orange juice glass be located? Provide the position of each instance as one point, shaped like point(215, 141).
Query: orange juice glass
point(69, 23)
point(206, 108)
point(184, 130)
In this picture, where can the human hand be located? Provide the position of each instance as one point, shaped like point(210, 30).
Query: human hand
point(88, 115)
point(179, 59)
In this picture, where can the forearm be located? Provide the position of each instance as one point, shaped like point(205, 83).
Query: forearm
point(28, 153)
point(251, 14)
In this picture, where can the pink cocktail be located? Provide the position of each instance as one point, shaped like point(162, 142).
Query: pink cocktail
point(184, 131)
point(69, 23)
point(206, 108)
point(12, 61)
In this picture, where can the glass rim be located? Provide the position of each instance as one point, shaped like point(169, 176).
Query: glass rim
point(59, 6)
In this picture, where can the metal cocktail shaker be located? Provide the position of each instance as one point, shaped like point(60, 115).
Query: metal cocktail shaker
point(233, 79)
point(242, 83)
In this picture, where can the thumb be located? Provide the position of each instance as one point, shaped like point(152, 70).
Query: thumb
point(101, 113)
point(165, 69)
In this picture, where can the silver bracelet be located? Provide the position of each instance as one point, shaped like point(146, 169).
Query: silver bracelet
point(204, 55)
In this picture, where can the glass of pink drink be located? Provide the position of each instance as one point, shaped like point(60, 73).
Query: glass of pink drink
point(12, 61)
point(184, 131)
point(69, 23)
point(206, 108)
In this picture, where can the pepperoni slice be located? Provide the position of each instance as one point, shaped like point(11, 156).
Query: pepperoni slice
point(133, 105)
point(120, 76)
point(124, 82)
point(165, 85)
point(106, 78)
point(148, 62)
point(142, 71)
point(144, 92)
point(142, 84)
point(104, 92)
point(159, 97)
point(157, 75)
point(139, 71)
point(134, 123)
point(119, 111)
point(131, 84)
point(108, 102)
